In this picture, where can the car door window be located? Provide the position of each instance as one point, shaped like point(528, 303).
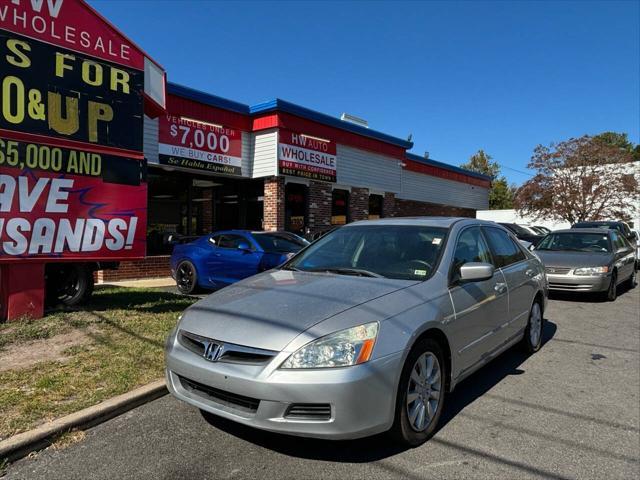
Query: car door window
point(471, 247)
point(618, 241)
point(214, 240)
point(504, 250)
point(231, 241)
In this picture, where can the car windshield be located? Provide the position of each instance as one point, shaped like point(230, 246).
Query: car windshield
point(404, 252)
point(279, 242)
point(576, 242)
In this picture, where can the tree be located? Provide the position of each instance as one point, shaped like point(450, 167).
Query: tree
point(619, 140)
point(501, 194)
point(480, 162)
point(580, 179)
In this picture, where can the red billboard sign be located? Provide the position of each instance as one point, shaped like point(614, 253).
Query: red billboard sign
point(190, 143)
point(59, 203)
point(306, 156)
point(70, 24)
point(72, 172)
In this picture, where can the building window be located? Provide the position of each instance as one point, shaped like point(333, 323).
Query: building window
point(339, 207)
point(295, 207)
point(375, 206)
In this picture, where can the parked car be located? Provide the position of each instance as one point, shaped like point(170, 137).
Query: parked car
point(588, 260)
point(364, 331)
point(522, 233)
point(542, 230)
point(637, 244)
point(532, 230)
point(621, 227)
point(221, 258)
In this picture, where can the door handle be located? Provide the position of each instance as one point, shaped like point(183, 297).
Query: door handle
point(500, 287)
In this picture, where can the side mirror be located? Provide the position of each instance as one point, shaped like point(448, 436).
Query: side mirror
point(476, 271)
point(244, 246)
point(532, 247)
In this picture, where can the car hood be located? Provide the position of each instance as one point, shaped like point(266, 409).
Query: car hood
point(573, 259)
point(271, 309)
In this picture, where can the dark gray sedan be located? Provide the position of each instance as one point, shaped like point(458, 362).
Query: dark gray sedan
point(587, 260)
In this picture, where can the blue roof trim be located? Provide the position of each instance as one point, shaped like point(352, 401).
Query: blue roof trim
point(207, 98)
point(283, 106)
point(446, 166)
point(288, 107)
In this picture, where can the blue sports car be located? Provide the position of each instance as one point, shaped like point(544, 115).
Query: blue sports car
point(221, 258)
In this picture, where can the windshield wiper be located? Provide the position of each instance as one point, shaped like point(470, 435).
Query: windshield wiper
point(351, 271)
point(290, 268)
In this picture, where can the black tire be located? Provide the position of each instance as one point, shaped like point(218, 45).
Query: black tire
point(69, 284)
point(531, 344)
point(186, 278)
point(612, 291)
point(402, 430)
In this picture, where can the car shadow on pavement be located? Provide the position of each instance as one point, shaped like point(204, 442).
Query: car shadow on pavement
point(473, 387)
point(588, 297)
point(381, 446)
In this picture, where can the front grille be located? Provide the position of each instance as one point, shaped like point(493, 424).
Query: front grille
point(227, 399)
point(309, 411)
point(568, 286)
point(191, 342)
point(231, 353)
point(557, 270)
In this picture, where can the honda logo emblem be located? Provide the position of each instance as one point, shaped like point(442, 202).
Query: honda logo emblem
point(212, 351)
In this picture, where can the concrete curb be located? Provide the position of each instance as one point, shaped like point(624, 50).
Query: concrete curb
point(22, 444)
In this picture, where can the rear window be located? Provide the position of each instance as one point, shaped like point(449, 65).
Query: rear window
point(611, 226)
point(279, 243)
point(517, 229)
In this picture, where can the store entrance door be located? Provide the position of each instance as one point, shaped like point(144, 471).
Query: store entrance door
point(192, 205)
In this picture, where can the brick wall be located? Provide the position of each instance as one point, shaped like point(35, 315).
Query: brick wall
point(273, 204)
point(150, 267)
point(319, 206)
point(389, 205)
point(358, 204)
point(409, 208)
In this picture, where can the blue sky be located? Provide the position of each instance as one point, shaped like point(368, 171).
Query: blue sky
point(459, 76)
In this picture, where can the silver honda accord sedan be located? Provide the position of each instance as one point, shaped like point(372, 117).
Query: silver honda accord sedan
point(366, 330)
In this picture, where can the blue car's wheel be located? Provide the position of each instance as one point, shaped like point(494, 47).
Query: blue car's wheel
point(186, 277)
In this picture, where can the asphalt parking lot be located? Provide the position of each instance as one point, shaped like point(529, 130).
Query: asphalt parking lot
point(570, 411)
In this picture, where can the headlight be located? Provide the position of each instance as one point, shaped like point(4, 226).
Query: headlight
point(340, 349)
point(590, 270)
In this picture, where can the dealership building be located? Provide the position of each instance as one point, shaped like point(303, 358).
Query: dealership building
point(218, 164)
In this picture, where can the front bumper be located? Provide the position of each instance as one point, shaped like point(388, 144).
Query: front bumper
point(361, 397)
point(578, 283)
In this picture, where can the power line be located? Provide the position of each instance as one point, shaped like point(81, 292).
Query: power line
point(518, 171)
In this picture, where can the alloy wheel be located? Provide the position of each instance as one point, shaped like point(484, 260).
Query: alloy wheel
point(535, 325)
point(185, 277)
point(423, 391)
